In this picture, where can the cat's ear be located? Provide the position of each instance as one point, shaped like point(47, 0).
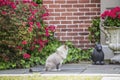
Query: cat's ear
point(66, 47)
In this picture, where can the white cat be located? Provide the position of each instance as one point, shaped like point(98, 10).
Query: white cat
point(55, 60)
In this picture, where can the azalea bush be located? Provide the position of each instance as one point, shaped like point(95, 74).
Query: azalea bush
point(111, 17)
point(23, 33)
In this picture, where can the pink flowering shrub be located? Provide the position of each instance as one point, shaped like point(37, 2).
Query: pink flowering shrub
point(23, 32)
point(111, 17)
point(26, 56)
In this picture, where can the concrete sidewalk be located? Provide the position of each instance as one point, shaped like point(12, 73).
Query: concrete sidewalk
point(83, 68)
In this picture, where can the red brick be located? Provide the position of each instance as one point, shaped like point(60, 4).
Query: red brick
point(83, 17)
point(84, 41)
point(83, 33)
point(60, 34)
point(54, 6)
point(78, 14)
point(90, 5)
point(59, 10)
point(54, 14)
point(98, 13)
point(57, 30)
point(48, 2)
point(80, 46)
point(90, 13)
point(75, 22)
point(66, 30)
point(88, 22)
point(78, 5)
point(84, 25)
point(86, 29)
point(72, 34)
point(77, 30)
point(95, 1)
point(60, 18)
point(50, 10)
point(66, 6)
point(84, 9)
point(95, 17)
point(66, 14)
point(72, 26)
point(98, 5)
point(66, 38)
point(83, 1)
point(71, 1)
point(72, 18)
point(78, 38)
point(61, 26)
point(50, 18)
point(60, 1)
point(54, 22)
point(72, 10)
point(95, 9)
point(66, 22)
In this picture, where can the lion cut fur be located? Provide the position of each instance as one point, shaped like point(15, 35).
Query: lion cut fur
point(55, 60)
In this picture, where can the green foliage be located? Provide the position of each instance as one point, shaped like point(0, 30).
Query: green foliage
point(112, 22)
point(38, 1)
point(75, 55)
point(94, 35)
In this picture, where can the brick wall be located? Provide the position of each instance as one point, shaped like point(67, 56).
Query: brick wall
point(72, 19)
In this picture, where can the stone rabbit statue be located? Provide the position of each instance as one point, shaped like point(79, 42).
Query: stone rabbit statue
point(97, 55)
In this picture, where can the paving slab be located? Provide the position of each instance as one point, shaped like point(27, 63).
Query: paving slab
point(70, 69)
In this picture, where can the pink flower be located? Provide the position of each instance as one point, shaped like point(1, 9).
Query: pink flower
point(30, 23)
point(40, 42)
point(24, 42)
point(112, 14)
point(38, 24)
point(119, 16)
point(13, 5)
point(45, 14)
point(34, 12)
point(105, 14)
point(34, 4)
point(26, 56)
point(51, 28)
point(31, 18)
point(40, 48)
point(26, 1)
point(19, 47)
point(116, 9)
point(3, 12)
point(32, 47)
point(30, 29)
point(47, 32)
